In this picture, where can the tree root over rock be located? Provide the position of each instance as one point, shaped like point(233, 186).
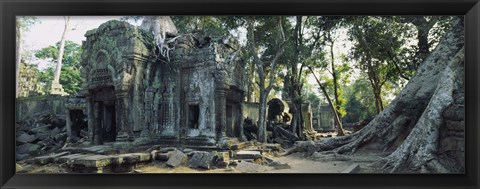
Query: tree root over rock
point(410, 126)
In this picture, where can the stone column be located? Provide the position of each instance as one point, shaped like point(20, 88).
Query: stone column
point(242, 134)
point(98, 123)
point(68, 123)
point(91, 118)
point(221, 104)
point(123, 128)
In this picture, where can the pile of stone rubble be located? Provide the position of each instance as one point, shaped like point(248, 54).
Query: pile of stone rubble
point(39, 134)
point(104, 159)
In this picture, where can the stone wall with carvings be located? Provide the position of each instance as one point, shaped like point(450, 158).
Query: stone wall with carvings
point(181, 100)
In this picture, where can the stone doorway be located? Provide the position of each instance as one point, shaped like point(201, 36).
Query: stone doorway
point(106, 123)
point(230, 121)
point(110, 125)
point(233, 116)
point(105, 115)
point(78, 122)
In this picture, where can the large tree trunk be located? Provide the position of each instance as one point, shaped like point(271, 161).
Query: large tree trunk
point(410, 126)
point(262, 122)
point(264, 89)
point(58, 68)
point(335, 91)
point(340, 131)
point(18, 56)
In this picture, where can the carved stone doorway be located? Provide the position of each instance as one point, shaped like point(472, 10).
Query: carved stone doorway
point(105, 115)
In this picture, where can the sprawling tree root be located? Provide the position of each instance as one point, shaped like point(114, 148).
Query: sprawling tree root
point(420, 147)
point(409, 126)
point(159, 26)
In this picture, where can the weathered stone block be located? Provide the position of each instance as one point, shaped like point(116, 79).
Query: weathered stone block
point(128, 159)
point(61, 137)
point(42, 160)
point(244, 154)
point(178, 157)
point(222, 159)
point(28, 148)
point(54, 132)
point(41, 129)
point(25, 138)
point(143, 156)
point(163, 156)
point(201, 160)
point(92, 161)
point(69, 158)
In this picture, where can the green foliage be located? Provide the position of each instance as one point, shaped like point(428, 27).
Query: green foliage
point(24, 22)
point(210, 25)
point(359, 105)
point(70, 77)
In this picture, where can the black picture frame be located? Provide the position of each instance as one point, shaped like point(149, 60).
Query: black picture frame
point(9, 9)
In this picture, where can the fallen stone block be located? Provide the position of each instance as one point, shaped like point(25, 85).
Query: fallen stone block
point(42, 160)
point(61, 137)
point(168, 149)
point(248, 154)
point(67, 158)
point(201, 160)
point(143, 156)
point(188, 150)
point(41, 129)
point(222, 159)
point(27, 148)
point(92, 161)
point(19, 156)
point(178, 157)
point(163, 156)
point(284, 134)
point(246, 167)
point(274, 147)
point(127, 159)
point(54, 132)
point(25, 138)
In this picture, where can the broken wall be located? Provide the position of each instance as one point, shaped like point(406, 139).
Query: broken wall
point(30, 106)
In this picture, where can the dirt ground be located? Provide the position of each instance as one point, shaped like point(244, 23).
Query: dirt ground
point(296, 162)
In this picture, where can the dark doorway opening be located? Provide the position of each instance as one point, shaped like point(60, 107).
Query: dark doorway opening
point(193, 115)
point(230, 121)
point(79, 121)
point(109, 129)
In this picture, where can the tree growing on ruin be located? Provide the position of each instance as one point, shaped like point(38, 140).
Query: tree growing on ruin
point(412, 128)
point(70, 78)
point(264, 62)
point(160, 27)
point(55, 86)
point(22, 24)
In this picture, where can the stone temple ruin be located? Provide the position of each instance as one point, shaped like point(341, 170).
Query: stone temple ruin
point(131, 100)
point(130, 95)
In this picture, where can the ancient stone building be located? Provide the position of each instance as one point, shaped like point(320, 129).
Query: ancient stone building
point(194, 98)
point(27, 84)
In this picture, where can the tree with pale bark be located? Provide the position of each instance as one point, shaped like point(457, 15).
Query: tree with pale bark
point(22, 24)
point(264, 62)
point(412, 129)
